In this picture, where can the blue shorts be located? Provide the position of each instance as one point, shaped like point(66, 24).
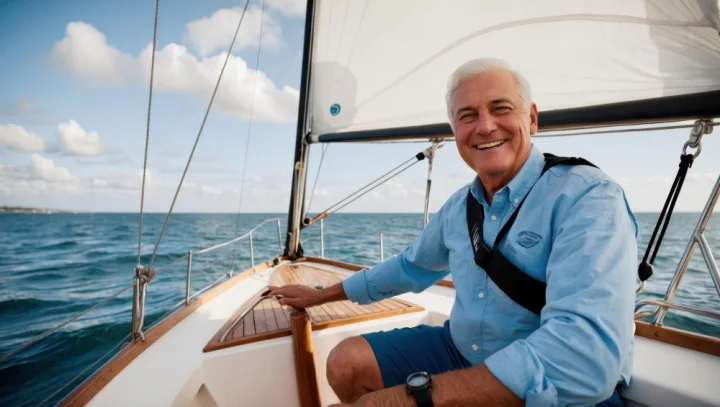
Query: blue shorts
point(400, 352)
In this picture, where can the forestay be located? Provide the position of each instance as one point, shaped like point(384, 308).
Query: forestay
point(384, 64)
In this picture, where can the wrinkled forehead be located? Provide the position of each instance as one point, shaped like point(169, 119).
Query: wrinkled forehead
point(484, 88)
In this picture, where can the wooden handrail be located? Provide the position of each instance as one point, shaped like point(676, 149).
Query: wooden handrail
point(305, 374)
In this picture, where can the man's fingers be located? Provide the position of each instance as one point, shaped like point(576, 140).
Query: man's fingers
point(293, 302)
point(278, 290)
point(288, 290)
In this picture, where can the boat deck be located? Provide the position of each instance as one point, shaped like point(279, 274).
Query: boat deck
point(264, 318)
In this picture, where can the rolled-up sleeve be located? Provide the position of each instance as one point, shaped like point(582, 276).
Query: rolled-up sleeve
point(422, 264)
point(585, 336)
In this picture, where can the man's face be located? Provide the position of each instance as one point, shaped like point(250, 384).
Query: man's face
point(492, 125)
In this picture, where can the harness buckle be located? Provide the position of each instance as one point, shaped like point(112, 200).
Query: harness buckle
point(483, 255)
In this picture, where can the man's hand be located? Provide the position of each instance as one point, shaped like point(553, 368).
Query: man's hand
point(298, 296)
point(302, 296)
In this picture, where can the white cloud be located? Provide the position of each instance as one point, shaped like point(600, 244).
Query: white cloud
point(22, 109)
point(206, 190)
point(122, 181)
point(21, 106)
point(295, 8)
point(85, 51)
point(17, 138)
point(78, 141)
point(321, 192)
point(209, 34)
point(99, 183)
point(45, 168)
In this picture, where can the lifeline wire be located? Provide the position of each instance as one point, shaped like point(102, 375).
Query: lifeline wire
point(333, 207)
point(147, 131)
point(249, 133)
point(197, 139)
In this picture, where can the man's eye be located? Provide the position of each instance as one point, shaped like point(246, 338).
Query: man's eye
point(467, 117)
point(502, 109)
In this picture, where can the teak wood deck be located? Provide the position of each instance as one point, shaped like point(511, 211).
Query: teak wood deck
point(268, 319)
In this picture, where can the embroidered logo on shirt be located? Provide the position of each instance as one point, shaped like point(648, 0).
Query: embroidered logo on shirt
point(528, 239)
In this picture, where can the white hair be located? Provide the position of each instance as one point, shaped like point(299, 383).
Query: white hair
point(481, 65)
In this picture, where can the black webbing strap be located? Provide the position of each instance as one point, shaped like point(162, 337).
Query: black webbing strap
point(515, 283)
point(645, 269)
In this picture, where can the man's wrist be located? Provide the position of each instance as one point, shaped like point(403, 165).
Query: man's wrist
point(391, 397)
point(332, 293)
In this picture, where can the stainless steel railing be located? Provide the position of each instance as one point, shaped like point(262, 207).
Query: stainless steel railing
point(248, 235)
point(380, 233)
point(696, 240)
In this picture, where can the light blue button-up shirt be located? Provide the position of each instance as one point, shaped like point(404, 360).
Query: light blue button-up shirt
point(577, 234)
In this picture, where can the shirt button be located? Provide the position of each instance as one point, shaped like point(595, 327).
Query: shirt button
point(481, 294)
point(517, 200)
point(474, 347)
point(493, 217)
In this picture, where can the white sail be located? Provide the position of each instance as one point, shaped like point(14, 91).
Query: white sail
point(384, 64)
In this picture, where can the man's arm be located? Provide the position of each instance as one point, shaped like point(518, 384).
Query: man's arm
point(474, 386)
point(422, 264)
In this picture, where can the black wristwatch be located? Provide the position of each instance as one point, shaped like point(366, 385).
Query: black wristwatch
point(419, 385)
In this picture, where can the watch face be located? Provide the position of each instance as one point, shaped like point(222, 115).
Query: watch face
point(419, 379)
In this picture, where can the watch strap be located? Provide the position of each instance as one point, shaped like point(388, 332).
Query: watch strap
point(423, 397)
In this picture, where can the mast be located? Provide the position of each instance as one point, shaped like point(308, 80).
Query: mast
point(297, 193)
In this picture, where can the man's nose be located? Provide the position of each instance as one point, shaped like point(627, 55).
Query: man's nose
point(485, 124)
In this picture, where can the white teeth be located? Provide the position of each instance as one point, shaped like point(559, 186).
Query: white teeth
point(489, 145)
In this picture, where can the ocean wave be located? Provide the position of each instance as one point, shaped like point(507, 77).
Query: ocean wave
point(65, 244)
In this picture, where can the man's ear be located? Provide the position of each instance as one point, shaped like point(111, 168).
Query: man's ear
point(533, 119)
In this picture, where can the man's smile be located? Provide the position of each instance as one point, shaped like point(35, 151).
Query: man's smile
point(487, 146)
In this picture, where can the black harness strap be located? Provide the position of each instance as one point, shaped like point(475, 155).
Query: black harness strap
point(515, 283)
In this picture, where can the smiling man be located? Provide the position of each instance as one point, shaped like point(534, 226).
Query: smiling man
point(543, 316)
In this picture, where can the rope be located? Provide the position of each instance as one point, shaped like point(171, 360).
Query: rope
point(147, 130)
point(197, 139)
point(49, 331)
point(249, 132)
point(113, 349)
point(322, 158)
point(645, 269)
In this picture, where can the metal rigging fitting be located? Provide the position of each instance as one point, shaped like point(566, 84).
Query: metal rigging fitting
point(143, 276)
point(700, 128)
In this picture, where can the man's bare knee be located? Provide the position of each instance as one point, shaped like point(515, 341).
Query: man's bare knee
point(352, 369)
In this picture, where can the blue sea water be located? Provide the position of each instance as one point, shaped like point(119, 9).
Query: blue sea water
point(54, 266)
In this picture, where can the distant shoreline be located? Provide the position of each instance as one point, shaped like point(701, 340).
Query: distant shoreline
point(20, 209)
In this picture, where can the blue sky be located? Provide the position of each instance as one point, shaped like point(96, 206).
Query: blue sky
point(73, 106)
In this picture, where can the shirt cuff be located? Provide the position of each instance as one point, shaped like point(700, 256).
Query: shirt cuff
point(356, 289)
point(517, 367)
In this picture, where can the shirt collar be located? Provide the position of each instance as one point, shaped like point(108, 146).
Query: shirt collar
point(520, 185)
